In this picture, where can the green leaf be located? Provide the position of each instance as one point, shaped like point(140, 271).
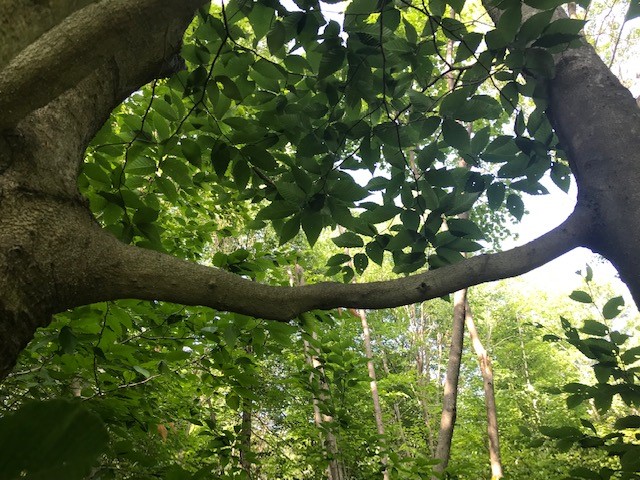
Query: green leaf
point(348, 240)
point(375, 252)
point(142, 371)
point(233, 401)
point(220, 158)
point(95, 172)
point(338, 259)
point(312, 225)
point(509, 23)
point(540, 62)
point(229, 88)
point(464, 228)
point(290, 229)
point(515, 205)
point(532, 27)
point(581, 296)
point(468, 46)
point(630, 421)
point(455, 135)
point(67, 340)
point(630, 461)
point(613, 307)
point(331, 61)
point(593, 327)
point(277, 210)
point(241, 173)
point(52, 440)
point(291, 193)
point(191, 151)
point(276, 37)
point(360, 262)
point(495, 195)
point(634, 10)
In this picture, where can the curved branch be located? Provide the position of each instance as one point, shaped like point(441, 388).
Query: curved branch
point(130, 272)
point(22, 21)
point(109, 30)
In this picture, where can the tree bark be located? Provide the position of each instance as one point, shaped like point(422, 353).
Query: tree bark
point(373, 384)
point(450, 396)
point(484, 361)
point(245, 437)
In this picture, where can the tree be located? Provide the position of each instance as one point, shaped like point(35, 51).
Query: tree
point(65, 70)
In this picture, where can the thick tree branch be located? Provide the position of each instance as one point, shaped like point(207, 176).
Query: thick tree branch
point(129, 272)
point(22, 21)
point(124, 32)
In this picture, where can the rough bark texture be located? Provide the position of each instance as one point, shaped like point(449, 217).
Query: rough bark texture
point(450, 395)
point(67, 73)
point(373, 384)
point(484, 361)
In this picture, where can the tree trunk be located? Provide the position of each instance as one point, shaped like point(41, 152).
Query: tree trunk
point(489, 396)
point(245, 437)
point(377, 410)
point(335, 469)
point(450, 396)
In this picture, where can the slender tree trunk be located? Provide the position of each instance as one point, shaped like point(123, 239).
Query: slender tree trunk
point(377, 410)
point(423, 360)
point(335, 469)
point(489, 395)
point(245, 437)
point(450, 396)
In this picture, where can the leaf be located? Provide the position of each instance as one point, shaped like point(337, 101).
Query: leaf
point(276, 37)
point(515, 205)
point(191, 151)
point(290, 229)
point(375, 252)
point(291, 192)
point(630, 461)
point(348, 240)
point(464, 228)
point(532, 28)
point(630, 421)
point(142, 371)
point(360, 262)
point(331, 61)
point(312, 225)
point(540, 62)
point(613, 307)
point(593, 327)
point(455, 135)
point(495, 195)
point(229, 88)
point(509, 23)
point(338, 259)
point(52, 440)
point(67, 340)
point(581, 296)
point(634, 10)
